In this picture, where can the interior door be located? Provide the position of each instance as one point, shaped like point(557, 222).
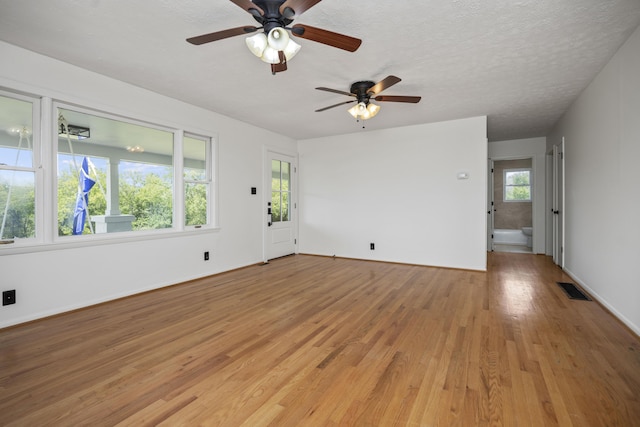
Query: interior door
point(280, 206)
point(558, 204)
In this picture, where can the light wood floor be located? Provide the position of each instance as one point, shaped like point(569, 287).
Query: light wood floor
point(314, 341)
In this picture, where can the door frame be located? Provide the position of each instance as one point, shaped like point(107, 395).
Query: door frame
point(266, 174)
point(558, 225)
point(490, 203)
point(534, 199)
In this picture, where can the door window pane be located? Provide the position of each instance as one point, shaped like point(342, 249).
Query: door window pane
point(275, 175)
point(280, 190)
point(285, 206)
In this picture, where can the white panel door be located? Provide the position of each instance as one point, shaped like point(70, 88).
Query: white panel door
point(280, 206)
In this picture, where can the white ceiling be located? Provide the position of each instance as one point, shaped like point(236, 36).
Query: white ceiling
point(520, 62)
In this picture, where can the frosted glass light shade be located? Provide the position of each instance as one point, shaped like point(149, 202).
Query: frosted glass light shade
point(270, 55)
point(358, 109)
point(261, 46)
point(291, 49)
point(372, 109)
point(278, 38)
point(257, 44)
point(364, 111)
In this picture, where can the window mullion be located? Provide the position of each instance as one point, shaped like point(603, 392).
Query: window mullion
point(179, 181)
point(46, 206)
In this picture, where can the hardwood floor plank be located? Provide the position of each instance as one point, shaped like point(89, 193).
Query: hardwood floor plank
point(320, 341)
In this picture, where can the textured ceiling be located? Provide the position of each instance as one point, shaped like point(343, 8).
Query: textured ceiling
point(521, 63)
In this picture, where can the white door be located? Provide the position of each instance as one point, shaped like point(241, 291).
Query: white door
point(558, 204)
point(490, 206)
point(280, 206)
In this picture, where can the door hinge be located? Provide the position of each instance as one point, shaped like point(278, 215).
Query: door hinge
point(295, 241)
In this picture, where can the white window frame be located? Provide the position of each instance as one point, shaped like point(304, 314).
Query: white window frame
point(35, 168)
point(208, 181)
point(504, 185)
point(45, 154)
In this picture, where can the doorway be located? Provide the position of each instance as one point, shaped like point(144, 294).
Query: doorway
point(280, 205)
point(512, 205)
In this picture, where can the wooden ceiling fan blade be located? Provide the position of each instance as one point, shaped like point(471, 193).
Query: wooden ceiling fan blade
point(335, 105)
point(249, 6)
point(392, 98)
point(219, 35)
point(383, 84)
point(341, 92)
point(291, 9)
point(329, 38)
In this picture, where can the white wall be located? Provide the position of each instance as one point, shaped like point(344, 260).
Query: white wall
point(534, 148)
point(602, 200)
point(397, 188)
point(45, 281)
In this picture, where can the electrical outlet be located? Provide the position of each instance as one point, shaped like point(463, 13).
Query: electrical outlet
point(9, 297)
point(206, 255)
point(372, 246)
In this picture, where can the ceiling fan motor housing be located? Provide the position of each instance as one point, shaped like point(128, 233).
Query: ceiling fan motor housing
point(272, 18)
point(360, 90)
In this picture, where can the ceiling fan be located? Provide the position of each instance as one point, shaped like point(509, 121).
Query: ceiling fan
point(364, 92)
point(273, 44)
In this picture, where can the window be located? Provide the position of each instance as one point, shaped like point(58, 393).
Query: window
point(117, 175)
point(17, 171)
point(197, 180)
point(517, 185)
point(109, 174)
point(113, 175)
point(280, 190)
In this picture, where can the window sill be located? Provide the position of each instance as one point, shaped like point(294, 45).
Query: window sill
point(69, 242)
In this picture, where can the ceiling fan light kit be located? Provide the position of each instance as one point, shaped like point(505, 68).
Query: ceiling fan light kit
point(364, 92)
point(362, 111)
point(266, 47)
point(274, 45)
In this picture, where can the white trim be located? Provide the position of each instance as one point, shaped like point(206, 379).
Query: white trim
point(266, 150)
point(45, 151)
point(71, 242)
point(504, 185)
point(178, 180)
point(208, 181)
point(604, 302)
